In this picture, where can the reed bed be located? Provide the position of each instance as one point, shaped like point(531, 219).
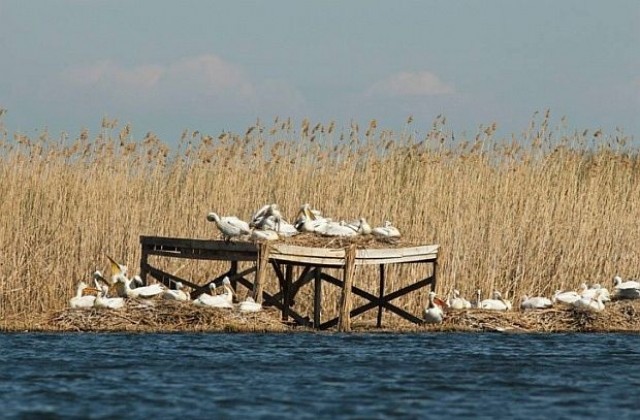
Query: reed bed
point(546, 209)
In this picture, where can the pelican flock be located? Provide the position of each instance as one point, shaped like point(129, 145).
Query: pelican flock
point(268, 224)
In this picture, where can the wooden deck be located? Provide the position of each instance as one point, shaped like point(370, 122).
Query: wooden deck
point(283, 258)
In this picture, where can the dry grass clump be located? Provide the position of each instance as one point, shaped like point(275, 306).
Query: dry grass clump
point(545, 210)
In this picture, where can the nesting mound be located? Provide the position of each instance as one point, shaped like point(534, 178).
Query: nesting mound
point(165, 316)
point(361, 241)
point(618, 316)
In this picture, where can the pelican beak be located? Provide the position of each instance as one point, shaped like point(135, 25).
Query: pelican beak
point(115, 267)
point(308, 214)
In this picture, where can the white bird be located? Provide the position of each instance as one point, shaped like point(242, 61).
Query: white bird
point(102, 301)
point(458, 302)
point(498, 303)
point(386, 231)
point(566, 298)
point(224, 301)
point(141, 292)
point(336, 229)
point(361, 226)
point(264, 235)
point(176, 294)
point(535, 302)
point(79, 301)
point(434, 312)
point(587, 304)
point(230, 226)
point(626, 289)
point(308, 221)
point(629, 284)
point(269, 217)
point(590, 292)
point(249, 305)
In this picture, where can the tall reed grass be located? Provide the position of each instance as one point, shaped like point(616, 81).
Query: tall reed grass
point(547, 209)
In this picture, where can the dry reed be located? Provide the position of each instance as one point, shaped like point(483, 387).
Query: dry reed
point(548, 210)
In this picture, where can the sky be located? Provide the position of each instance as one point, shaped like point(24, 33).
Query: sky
point(166, 66)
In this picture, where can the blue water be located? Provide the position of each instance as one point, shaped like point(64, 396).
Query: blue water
point(319, 376)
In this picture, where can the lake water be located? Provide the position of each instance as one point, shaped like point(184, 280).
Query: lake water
point(308, 375)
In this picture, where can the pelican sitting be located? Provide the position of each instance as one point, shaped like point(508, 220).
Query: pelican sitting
point(249, 305)
point(590, 292)
point(79, 301)
point(587, 304)
point(102, 301)
point(264, 235)
point(536, 302)
point(626, 289)
point(458, 302)
point(386, 231)
point(361, 226)
point(336, 229)
point(141, 292)
point(308, 221)
point(566, 298)
point(267, 217)
point(176, 294)
point(496, 304)
point(230, 226)
point(223, 301)
point(434, 312)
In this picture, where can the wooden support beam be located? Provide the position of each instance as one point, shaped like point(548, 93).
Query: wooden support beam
point(261, 273)
point(345, 300)
point(380, 296)
point(317, 297)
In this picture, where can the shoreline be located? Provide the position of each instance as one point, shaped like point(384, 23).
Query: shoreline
point(622, 316)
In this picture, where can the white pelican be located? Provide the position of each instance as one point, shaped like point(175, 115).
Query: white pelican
point(361, 226)
point(587, 304)
point(79, 301)
point(590, 292)
point(565, 298)
point(535, 302)
point(496, 304)
point(308, 221)
point(176, 294)
point(386, 231)
point(434, 312)
point(457, 301)
point(626, 289)
point(102, 301)
point(224, 301)
point(141, 292)
point(264, 235)
point(267, 217)
point(249, 305)
point(336, 229)
point(230, 226)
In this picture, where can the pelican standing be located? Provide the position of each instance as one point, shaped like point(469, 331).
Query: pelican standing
point(176, 294)
point(230, 226)
point(434, 312)
point(82, 302)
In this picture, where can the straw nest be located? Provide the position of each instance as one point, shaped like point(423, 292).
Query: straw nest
point(165, 316)
point(360, 241)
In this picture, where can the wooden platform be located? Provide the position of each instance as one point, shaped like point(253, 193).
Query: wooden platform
point(283, 258)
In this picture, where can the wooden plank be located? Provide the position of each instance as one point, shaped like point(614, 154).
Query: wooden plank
point(304, 251)
point(397, 252)
point(207, 244)
point(322, 262)
point(398, 260)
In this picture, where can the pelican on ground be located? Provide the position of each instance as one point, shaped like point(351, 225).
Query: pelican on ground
point(588, 304)
point(141, 292)
point(498, 303)
point(535, 302)
point(176, 294)
point(626, 289)
point(102, 301)
point(434, 312)
point(79, 301)
point(224, 301)
point(457, 301)
point(249, 305)
point(566, 298)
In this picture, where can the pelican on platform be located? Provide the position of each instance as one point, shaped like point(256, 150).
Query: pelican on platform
point(230, 226)
point(434, 312)
point(268, 216)
point(360, 226)
point(336, 229)
point(264, 235)
point(387, 230)
point(81, 301)
point(176, 294)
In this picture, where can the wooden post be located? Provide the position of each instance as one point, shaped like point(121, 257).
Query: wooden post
point(144, 266)
point(380, 296)
point(345, 302)
point(286, 292)
point(261, 272)
point(317, 297)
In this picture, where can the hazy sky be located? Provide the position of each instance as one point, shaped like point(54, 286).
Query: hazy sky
point(164, 66)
